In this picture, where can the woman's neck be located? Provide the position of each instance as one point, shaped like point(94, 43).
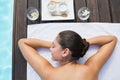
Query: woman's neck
point(68, 62)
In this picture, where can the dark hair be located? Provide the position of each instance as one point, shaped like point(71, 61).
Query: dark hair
point(73, 41)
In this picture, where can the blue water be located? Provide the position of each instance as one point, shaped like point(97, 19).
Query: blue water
point(6, 26)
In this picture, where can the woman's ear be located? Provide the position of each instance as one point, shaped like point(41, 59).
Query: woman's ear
point(66, 52)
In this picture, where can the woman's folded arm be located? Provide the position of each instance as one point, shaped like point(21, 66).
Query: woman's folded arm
point(107, 45)
point(28, 49)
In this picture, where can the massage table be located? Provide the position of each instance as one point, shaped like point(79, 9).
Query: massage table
point(48, 31)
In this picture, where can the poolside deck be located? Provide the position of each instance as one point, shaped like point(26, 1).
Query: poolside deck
point(102, 11)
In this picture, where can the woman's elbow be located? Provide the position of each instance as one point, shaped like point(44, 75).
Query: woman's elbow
point(114, 38)
point(21, 41)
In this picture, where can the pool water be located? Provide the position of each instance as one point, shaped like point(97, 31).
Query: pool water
point(6, 27)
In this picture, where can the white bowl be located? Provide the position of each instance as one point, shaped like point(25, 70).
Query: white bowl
point(63, 8)
point(84, 13)
point(51, 7)
point(32, 13)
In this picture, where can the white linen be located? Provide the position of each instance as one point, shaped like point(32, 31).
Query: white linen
point(45, 14)
point(110, 70)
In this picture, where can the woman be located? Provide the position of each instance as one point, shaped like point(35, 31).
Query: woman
point(67, 48)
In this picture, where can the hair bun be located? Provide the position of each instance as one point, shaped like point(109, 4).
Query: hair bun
point(85, 48)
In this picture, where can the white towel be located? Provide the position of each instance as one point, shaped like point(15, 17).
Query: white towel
point(49, 31)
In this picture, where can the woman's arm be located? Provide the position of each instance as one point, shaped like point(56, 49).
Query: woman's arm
point(27, 47)
point(107, 45)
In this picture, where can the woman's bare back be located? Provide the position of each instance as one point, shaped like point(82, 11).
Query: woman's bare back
point(72, 72)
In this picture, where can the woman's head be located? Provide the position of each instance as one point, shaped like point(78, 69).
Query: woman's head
point(72, 45)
